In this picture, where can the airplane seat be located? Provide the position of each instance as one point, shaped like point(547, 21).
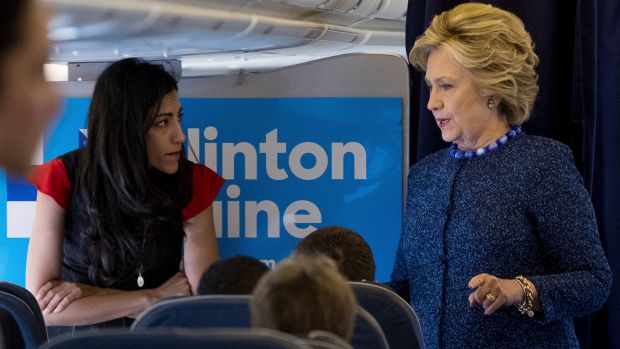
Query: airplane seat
point(197, 312)
point(229, 338)
point(32, 331)
point(396, 317)
point(367, 333)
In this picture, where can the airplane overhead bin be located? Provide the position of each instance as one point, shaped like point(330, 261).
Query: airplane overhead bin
point(224, 36)
point(384, 9)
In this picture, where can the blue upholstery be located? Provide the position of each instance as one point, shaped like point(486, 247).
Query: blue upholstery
point(32, 331)
point(367, 333)
point(29, 299)
point(234, 338)
point(326, 340)
point(10, 335)
point(197, 312)
point(26, 296)
point(234, 311)
point(396, 317)
point(320, 344)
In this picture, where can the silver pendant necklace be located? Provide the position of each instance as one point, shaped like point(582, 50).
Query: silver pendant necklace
point(140, 279)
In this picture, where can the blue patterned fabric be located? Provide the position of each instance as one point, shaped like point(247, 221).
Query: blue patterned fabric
point(519, 210)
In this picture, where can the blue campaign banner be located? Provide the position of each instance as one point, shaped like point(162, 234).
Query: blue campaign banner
point(291, 165)
point(17, 197)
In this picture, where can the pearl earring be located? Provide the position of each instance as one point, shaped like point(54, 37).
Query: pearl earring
point(491, 103)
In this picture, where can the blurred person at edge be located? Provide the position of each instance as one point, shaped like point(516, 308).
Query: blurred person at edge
point(28, 103)
point(500, 246)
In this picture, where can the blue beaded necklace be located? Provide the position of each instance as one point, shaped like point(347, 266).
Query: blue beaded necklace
point(458, 154)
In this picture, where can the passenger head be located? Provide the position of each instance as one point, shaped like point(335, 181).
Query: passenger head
point(233, 275)
point(350, 251)
point(133, 102)
point(27, 102)
point(493, 45)
point(304, 294)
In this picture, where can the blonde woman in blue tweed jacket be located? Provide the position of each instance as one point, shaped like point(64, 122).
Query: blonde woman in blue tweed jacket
point(500, 246)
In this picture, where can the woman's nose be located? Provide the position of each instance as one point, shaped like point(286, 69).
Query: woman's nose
point(434, 102)
point(179, 135)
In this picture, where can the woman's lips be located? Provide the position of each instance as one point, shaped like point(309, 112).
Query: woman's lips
point(442, 122)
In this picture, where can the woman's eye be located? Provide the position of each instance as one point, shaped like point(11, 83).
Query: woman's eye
point(162, 123)
point(445, 86)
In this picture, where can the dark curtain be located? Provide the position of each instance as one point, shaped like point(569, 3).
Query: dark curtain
point(578, 42)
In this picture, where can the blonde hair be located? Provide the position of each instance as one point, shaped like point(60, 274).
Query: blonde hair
point(494, 46)
point(304, 294)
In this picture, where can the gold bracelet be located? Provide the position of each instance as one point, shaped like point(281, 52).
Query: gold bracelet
point(527, 307)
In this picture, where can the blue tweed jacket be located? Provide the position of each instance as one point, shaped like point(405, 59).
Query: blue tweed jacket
point(521, 209)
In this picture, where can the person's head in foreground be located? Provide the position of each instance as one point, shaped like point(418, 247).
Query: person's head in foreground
point(304, 294)
point(347, 248)
point(232, 275)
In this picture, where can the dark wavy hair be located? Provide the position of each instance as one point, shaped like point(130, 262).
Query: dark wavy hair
point(12, 13)
point(233, 275)
point(347, 248)
point(125, 205)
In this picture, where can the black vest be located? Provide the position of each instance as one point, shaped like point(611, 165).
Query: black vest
point(164, 256)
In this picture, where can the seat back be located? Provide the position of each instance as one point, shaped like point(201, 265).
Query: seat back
point(326, 340)
point(395, 316)
point(32, 331)
point(24, 295)
point(197, 312)
point(28, 298)
point(367, 333)
point(229, 338)
point(234, 311)
point(319, 344)
point(10, 336)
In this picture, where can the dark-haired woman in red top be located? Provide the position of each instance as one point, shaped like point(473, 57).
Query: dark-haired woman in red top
point(126, 220)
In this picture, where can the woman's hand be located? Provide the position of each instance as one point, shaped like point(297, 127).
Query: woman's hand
point(176, 286)
point(55, 295)
point(492, 292)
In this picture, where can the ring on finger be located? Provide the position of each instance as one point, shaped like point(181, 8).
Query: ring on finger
point(490, 297)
